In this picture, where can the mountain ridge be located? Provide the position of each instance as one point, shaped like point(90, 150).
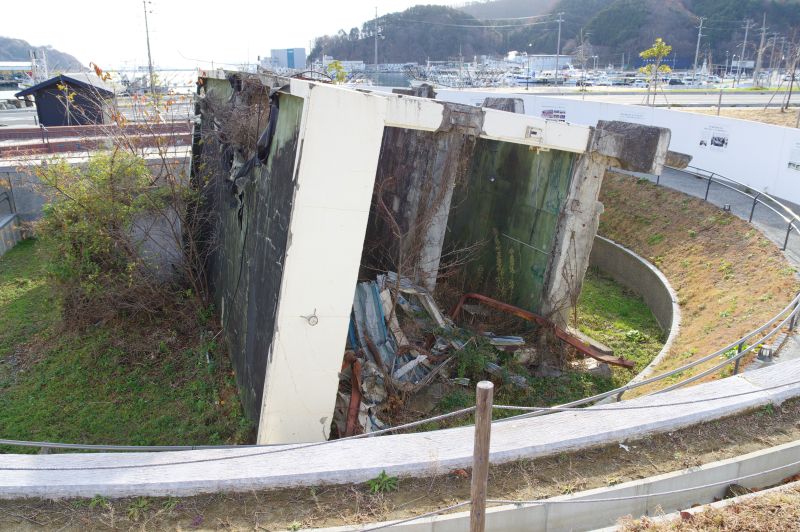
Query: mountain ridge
point(610, 27)
point(12, 49)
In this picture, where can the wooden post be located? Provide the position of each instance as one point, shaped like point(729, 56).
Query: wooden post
point(480, 455)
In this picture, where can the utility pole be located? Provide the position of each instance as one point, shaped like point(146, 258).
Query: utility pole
point(744, 45)
point(376, 38)
point(558, 44)
point(697, 48)
point(149, 56)
point(794, 52)
point(772, 56)
point(757, 69)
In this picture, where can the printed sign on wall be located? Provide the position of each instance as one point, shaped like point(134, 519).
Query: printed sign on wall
point(794, 157)
point(559, 115)
point(714, 138)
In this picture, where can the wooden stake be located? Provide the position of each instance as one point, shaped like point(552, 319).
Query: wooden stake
point(480, 455)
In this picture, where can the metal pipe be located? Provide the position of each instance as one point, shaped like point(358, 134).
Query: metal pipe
point(738, 359)
point(786, 240)
point(753, 208)
point(708, 186)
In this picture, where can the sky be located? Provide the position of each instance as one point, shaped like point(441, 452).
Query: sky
point(187, 34)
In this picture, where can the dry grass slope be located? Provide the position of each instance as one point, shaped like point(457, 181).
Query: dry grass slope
point(774, 512)
point(729, 278)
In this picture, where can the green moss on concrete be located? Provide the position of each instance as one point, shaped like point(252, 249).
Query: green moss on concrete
point(510, 202)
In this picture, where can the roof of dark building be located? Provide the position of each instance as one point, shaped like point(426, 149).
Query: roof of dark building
point(82, 79)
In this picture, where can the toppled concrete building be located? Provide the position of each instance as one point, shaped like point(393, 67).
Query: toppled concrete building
point(315, 182)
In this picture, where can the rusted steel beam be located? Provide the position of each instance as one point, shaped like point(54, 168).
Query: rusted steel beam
point(560, 333)
point(352, 427)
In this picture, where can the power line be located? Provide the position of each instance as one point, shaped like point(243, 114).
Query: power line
point(517, 18)
point(446, 24)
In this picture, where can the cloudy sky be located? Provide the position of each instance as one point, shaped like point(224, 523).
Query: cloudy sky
point(186, 33)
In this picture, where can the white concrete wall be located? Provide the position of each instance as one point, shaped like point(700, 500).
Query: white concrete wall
point(756, 154)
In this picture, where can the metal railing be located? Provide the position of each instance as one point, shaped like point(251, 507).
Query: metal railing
point(791, 218)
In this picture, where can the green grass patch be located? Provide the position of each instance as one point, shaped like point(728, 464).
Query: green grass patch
point(620, 319)
point(162, 382)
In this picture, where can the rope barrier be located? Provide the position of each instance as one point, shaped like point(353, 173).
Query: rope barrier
point(249, 455)
point(637, 407)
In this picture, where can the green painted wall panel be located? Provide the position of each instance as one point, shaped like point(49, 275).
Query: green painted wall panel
point(510, 201)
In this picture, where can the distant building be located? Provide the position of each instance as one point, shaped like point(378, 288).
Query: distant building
point(539, 62)
point(289, 58)
point(70, 99)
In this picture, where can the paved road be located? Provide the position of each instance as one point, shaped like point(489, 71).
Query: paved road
point(773, 226)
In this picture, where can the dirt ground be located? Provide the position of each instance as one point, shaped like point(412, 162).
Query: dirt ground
point(335, 505)
point(729, 278)
point(756, 114)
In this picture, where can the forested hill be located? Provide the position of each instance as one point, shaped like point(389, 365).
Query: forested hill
point(613, 27)
point(417, 34)
point(19, 50)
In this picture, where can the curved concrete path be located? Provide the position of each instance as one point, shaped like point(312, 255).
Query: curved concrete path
point(420, 454)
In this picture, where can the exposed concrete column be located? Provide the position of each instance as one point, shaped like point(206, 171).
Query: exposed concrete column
point(629, 146)
point(574, 237)
point(425, 167)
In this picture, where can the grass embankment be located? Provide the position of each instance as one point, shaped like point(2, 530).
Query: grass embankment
point(619, 318)
point(729, 278)
point(160, 382)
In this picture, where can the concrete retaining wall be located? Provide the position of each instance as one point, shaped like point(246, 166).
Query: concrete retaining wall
point(561, 515)
point(10, 232)
point(637, 274)
point(30, 196)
